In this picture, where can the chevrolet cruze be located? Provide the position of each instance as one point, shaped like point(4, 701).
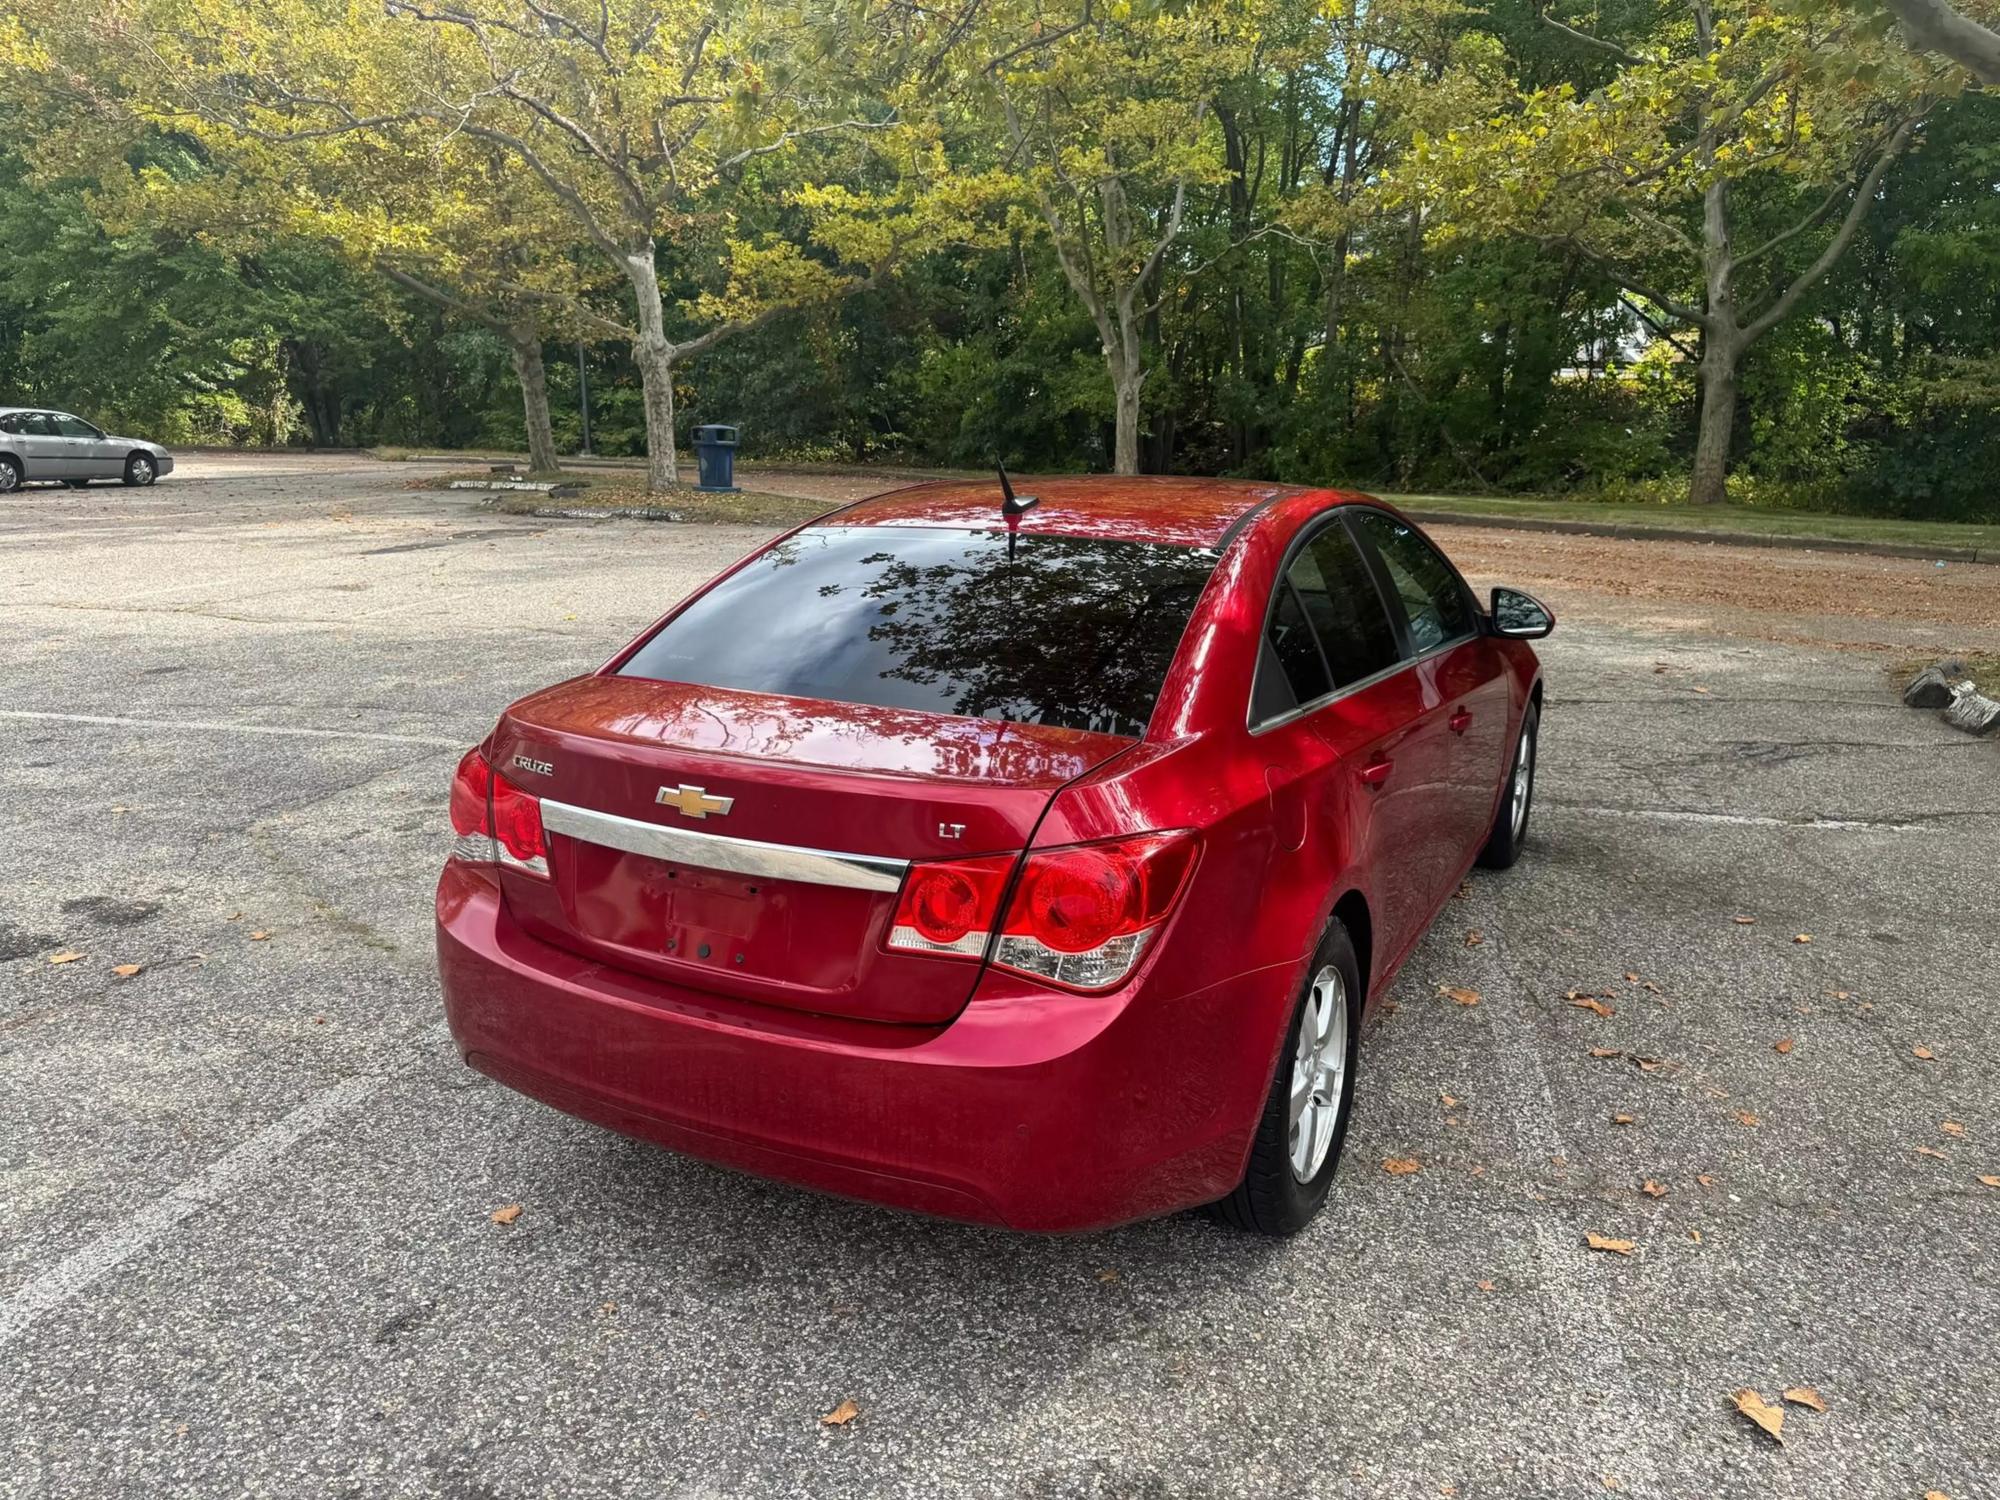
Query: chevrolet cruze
point(1031, 860)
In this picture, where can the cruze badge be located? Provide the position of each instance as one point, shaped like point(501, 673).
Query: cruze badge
point(539, 767)
point(694, 801)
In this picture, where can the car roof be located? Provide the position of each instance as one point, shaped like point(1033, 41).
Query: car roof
point(1177, 510)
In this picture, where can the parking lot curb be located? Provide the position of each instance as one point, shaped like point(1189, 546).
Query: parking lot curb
point(1628, 533)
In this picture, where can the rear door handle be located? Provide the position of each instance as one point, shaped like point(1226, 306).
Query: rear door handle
point(1376, 772)
point(1461, 720)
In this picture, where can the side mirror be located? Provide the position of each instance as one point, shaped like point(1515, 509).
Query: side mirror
point(1521, 617)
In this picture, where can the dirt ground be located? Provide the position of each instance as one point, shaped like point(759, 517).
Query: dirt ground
point(1905, 607)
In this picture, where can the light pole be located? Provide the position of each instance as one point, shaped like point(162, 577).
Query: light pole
point(583, 397)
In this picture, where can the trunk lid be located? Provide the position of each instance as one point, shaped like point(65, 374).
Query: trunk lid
point(785, 896)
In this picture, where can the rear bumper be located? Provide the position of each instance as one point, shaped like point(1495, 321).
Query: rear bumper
point(1032, 1110)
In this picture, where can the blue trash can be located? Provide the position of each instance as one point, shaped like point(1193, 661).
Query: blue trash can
point(715, 447)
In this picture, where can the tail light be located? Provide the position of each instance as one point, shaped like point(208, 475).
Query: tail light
point(494, 820)
point(1080, 916)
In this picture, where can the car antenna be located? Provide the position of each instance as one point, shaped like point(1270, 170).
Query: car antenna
point(1011, 504)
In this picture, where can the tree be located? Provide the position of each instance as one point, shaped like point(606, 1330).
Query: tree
point(1702, 130)
point(1935, 27)
point(1108, 112)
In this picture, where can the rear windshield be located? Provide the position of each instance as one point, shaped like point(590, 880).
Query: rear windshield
point(1059, 630)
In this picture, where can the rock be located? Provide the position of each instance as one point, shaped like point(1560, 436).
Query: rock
point(1930, 688)
point(1973, 711)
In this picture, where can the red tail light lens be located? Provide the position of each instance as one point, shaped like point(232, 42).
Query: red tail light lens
point(1080, 916)
point(950, 906)
point(1084, 915)
point(470, 788)
point(494, 820)
point(517, 825)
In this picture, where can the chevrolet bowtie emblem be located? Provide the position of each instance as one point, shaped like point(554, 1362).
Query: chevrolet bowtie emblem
point(694, 801)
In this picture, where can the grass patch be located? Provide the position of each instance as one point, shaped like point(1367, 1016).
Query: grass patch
point(745, 508)
point(1723, 520)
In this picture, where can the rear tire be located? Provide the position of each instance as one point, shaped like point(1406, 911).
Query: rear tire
point(140, 470)
point(1295, 1153)
point(10, 475)
point(1517, 798)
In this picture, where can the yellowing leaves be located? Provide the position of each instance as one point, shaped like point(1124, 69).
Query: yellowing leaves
point(506, 1215)
point(841, 1415)
point(1609, 1245)
point(67, 956)
point(1401, 1166)
point(1592, 1004)
point(1805, 1395)
point(1458, 996)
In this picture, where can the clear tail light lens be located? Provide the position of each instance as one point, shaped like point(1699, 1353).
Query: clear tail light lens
point(1080, 916)
point(494, 820)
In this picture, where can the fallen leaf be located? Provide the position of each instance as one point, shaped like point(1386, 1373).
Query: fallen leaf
point(1463, 892)
point(1805, 1395)
point(1784, 1048)
point(1936, 1495)
point(1923, 1054)
point(1631, 978)
point(1701, 689)
point(1474, 938)
point(1804, 937)
point(1401, 1166)
point(319, 1020)
point(841, 1415)
point(1932, 1151)
point(1649, 1064)
point(1695, 1235)
point(1704, 1179)
point(1602, 1242)
point(235, 916)
point(1621, 1120)
point(1606, 1052)
point(1487, 1286)
point(1763, 1413)
point(1458, 996)
point(1558, 1161)
point(1953, 1129)
point(508, 1214)
point(1991, 1181)
point(259, 936)
point(1652, 1189)
point(1595, 1007)
point(1744, 1117)
point(126, 971)
point(1108, 1275)
point(67, 956)
point(1837, 994)
point(1744, 921)
point(1447, 1101)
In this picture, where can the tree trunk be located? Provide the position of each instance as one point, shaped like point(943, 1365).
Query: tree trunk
point(654, 355)
point(1718, 420)
point(1125, 384)
point(527, 347)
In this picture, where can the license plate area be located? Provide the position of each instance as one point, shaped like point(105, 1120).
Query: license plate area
point(794, 933)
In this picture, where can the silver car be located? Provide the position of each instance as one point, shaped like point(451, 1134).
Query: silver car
point(36, 443)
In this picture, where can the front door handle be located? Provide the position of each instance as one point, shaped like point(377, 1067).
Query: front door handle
point(1461, 720)
point(1376, 772)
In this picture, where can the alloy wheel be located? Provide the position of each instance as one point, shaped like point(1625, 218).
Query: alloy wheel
point(1524, 781)
point(1319, 1071)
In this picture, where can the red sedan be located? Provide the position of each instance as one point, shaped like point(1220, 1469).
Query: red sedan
point(1026, 860)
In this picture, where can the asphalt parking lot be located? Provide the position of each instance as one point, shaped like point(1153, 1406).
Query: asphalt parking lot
point(246, 1191)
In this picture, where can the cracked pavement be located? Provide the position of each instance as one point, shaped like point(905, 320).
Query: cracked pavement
point(246, 1192)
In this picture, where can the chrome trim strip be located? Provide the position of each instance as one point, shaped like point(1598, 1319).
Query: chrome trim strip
point(1292, 716)
point(716, 851)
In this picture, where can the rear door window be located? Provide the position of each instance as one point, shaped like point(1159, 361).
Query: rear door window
point(1070, 631)
point(1427, 588)
point(1328, 629)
